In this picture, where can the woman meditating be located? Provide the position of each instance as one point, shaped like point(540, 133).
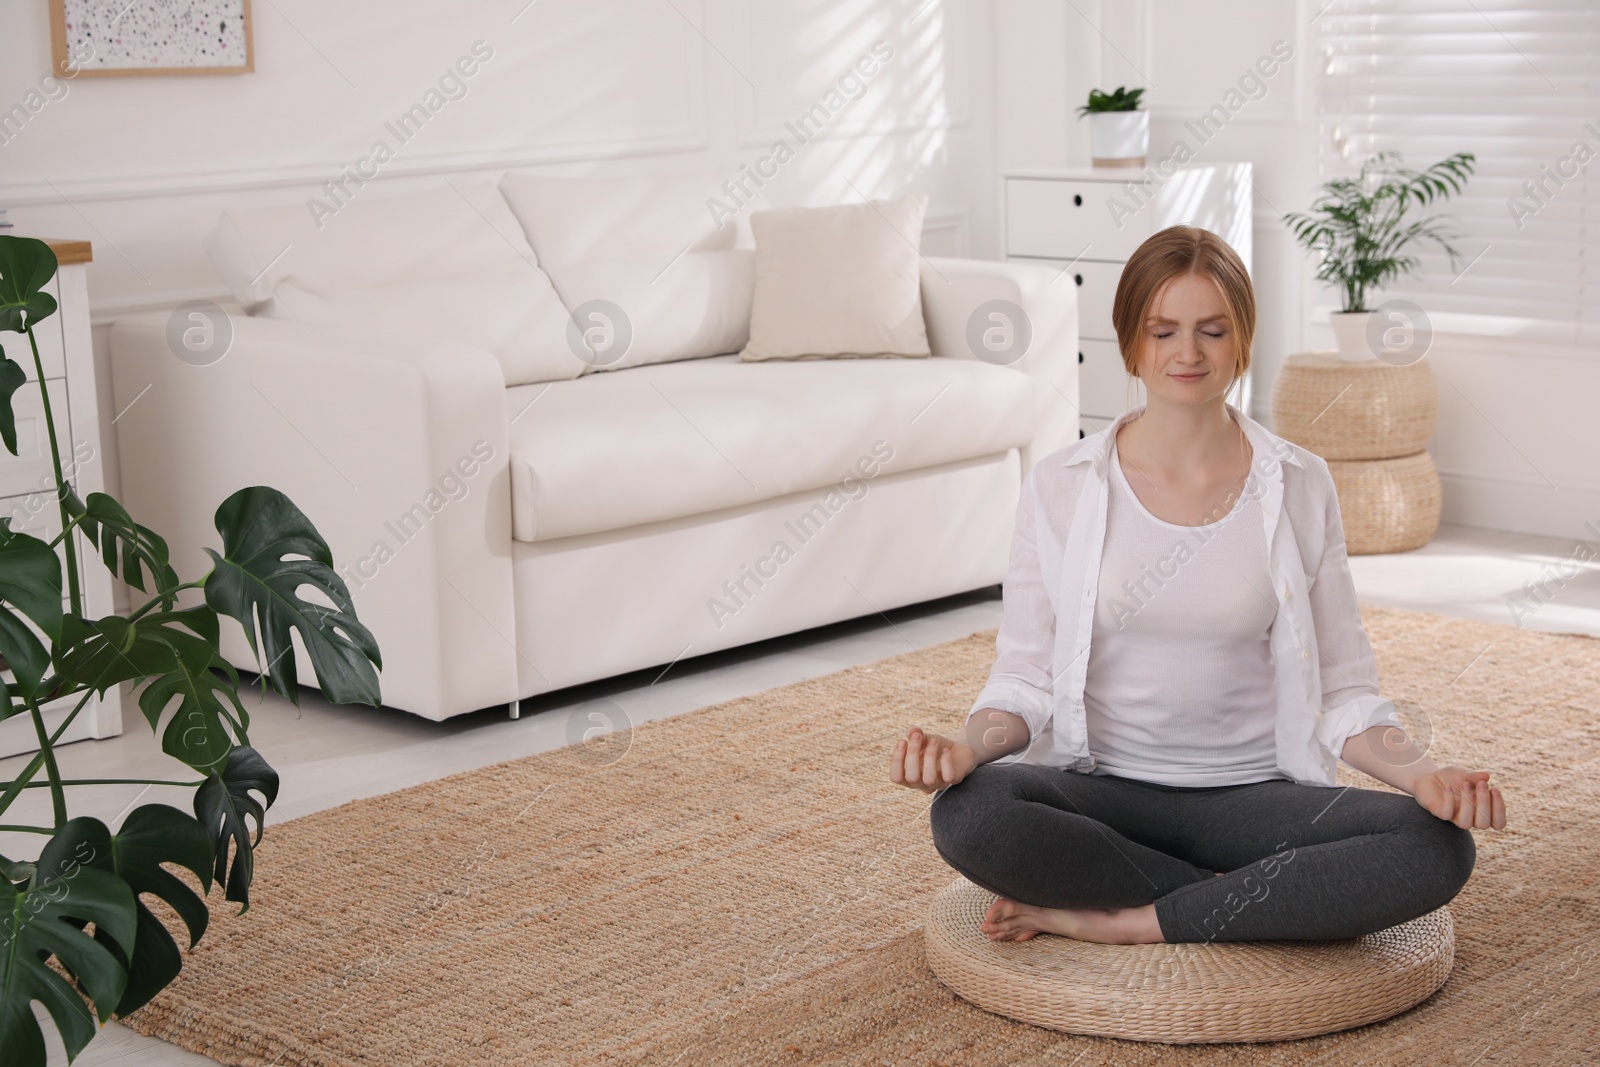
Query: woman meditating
point(1180, 665)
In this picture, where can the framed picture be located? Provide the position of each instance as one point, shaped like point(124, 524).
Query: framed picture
point(96, 39)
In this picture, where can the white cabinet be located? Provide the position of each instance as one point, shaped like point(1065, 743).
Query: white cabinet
point(1089, 221)
point(27, 480)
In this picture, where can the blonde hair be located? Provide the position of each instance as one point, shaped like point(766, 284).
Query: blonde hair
point(1175, 251)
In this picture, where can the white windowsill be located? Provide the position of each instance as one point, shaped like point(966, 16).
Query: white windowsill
point(1495, 332)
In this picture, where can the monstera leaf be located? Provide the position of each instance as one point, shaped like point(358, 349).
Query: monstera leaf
point(224, 806)
point(99, 653)
point(77, 933)
point(44, 917)
point(270, 551)
point(151, 835)
point(208, 719)
point(11, 378)
point(26, 267)
point(30, 581)
point(175, 653)
point(16, 870)
point(127, 548)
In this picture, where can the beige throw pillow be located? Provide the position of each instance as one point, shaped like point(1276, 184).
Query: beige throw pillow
point(838, 281)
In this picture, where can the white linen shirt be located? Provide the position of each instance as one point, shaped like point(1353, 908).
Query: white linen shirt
point(1325, 674)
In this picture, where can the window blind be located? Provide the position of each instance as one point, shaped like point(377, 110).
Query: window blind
point(1513, 83)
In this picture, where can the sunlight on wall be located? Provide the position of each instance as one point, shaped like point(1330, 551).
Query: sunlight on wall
point(604, 87)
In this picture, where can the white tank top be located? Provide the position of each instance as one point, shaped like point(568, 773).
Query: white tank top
point(1180, 687)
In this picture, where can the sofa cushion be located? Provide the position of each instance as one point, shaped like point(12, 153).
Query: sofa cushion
point(607, 451)
point(650, 247)
point(450, 261)
point(838, 281)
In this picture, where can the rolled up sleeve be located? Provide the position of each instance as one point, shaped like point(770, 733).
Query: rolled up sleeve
point(1019, 681)
point(1351, 702)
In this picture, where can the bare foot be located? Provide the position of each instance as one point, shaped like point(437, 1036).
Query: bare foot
point(1012, 920)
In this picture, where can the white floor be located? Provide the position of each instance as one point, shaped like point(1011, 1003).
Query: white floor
point(327, 755)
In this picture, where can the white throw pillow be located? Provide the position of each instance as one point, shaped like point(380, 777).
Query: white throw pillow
point(451, 261)
point(643, 261)
point(838, 281)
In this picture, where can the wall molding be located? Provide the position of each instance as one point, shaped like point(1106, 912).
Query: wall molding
point(1521, 507)
point(688, 130)
point(50, 194)
point(1529, 481)
point(104, 314)
point(954, 221)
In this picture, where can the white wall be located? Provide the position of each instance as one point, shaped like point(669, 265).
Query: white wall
point(1188, 54)
point(1517, 444)
point(141, 166)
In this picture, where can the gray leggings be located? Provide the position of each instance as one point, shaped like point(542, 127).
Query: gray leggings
point(1300, 861)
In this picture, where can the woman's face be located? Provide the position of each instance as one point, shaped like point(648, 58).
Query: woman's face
point(1187, 347)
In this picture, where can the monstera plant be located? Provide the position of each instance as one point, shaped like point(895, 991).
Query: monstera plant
point(88, 875)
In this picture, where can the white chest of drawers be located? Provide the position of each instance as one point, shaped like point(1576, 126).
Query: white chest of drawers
point(27, 480)
point(1090, 220)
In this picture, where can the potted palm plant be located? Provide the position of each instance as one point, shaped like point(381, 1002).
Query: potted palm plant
point(1359, 227)
point(1119, 133)
point(84, 872)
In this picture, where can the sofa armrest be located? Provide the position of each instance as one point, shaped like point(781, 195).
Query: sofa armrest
point(394, 447)
point(952, 292)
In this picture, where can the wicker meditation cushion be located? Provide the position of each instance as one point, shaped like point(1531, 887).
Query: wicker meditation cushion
point(1186, 993)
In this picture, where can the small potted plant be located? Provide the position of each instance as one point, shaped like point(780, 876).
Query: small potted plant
point(1119, 133)
point(1358, 226)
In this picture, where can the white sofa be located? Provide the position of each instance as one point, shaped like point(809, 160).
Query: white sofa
point(503, 541)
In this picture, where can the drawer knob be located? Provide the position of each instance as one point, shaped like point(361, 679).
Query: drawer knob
point(1081, 434)
point(1077, 200)
point(1080, 357)
point(1078, 278)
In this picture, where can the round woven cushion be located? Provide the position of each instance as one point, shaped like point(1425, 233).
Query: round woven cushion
point(1388, 505)
point(1187, 993)
point(1354, 410)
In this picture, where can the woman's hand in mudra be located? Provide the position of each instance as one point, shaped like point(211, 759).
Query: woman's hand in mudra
point(1463, 797)
point(930, 762)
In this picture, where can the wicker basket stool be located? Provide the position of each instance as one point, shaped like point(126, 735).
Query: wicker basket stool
point(1187, 993)
point(1344, 411)
point(1388, 505)
point(1370, 421)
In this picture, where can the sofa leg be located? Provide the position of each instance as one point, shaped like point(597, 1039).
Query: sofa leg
point(515, 708)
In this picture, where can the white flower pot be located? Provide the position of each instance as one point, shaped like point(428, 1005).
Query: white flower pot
point(1119, 138)
point(1350, 335)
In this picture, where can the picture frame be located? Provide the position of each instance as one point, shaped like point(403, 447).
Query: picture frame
point(91, 40)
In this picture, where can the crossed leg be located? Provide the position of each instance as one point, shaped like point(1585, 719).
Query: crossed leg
point(1296, 861)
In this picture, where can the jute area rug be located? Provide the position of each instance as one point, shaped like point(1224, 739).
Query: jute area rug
point(744, 886)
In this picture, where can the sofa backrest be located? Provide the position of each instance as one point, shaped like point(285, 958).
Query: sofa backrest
point(668, 259)
point(451, 260)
